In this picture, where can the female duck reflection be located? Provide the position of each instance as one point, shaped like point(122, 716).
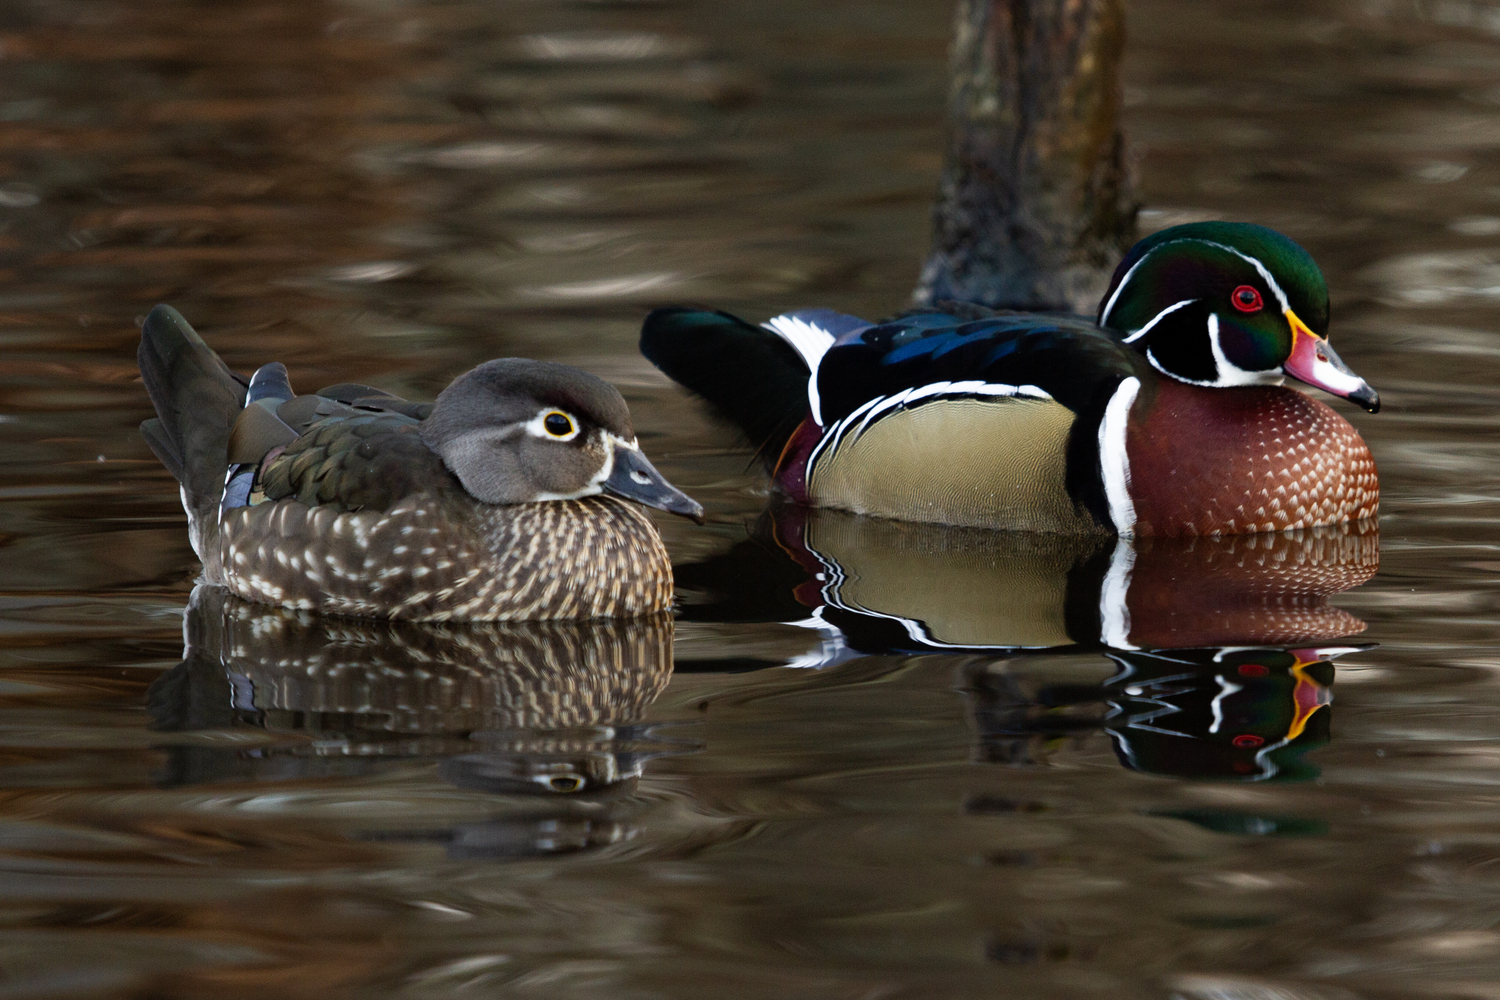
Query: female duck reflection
point(542, 708)
point(1216, 652)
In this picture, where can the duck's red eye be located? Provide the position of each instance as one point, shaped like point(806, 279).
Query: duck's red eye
point(1247, 741)
point(1246, 299)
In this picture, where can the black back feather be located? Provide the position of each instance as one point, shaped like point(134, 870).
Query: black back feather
point(749, 376)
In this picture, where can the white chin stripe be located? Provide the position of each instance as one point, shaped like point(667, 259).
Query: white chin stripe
point(1230, 374)
point(811, 342)
point(1114, 462)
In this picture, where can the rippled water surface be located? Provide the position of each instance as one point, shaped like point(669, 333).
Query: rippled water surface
point(1267, 800)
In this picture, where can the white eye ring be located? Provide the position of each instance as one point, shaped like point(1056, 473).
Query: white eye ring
point(549, 425)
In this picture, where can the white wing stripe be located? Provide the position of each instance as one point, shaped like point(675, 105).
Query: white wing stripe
point(810, 341)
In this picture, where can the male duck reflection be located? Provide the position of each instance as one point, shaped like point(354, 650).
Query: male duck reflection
point(1165, 416)
point(500, 501)
point(874, 586)
point(1238, 713)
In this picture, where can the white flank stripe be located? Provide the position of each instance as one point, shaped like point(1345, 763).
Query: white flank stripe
point(938, 388)
point(870, 409)
point(835, 434)
point(1114, 463)
point(1114, 612)
point(889, 403)
point(1137, 335)
point(812, 342)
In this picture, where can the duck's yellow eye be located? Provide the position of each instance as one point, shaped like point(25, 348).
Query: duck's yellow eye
point(559, 424)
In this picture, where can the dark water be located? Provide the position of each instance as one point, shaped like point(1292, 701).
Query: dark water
point(390, 192)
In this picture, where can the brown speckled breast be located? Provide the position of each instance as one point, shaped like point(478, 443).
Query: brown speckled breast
point(442, 557)
point(1235, 461)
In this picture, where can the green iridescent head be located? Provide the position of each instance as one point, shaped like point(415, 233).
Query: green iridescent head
point(1228, 304)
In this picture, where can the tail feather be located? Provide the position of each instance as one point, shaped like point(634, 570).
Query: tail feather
point(197, 399)
point(163, 447)
point(749, 375)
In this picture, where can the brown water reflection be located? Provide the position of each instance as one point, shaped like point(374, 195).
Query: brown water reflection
point(394, 192)
point(918, 587)
point(535, 708)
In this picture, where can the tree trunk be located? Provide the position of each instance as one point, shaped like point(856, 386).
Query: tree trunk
point(1037, 202)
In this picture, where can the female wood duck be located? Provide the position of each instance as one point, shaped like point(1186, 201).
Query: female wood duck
point(1164, 416)
point(505, 500)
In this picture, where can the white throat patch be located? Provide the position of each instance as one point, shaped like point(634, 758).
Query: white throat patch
point(1230, 374)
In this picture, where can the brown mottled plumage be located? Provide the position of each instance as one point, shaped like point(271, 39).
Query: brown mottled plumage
point(441, 556)
point(508, 499)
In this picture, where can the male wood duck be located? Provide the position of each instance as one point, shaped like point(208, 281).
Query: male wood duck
point(1165, 415)
point(507, 499)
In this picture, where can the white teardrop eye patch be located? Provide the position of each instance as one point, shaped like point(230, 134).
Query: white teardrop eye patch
point(552, 425)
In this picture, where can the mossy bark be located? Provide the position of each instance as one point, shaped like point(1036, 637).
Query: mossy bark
point(1037, 202)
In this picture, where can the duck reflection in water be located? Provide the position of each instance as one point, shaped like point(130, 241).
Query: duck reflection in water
point(1200, 657)
point(546, 711)
point(1236, 712)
